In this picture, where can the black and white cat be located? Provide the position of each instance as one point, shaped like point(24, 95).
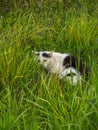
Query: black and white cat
point(64, 65)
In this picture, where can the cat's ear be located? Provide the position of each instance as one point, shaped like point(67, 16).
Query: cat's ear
point(50, 54)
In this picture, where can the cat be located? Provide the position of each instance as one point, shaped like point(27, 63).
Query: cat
point(65, 65)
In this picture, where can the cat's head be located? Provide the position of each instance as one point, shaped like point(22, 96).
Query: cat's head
point(43, 57)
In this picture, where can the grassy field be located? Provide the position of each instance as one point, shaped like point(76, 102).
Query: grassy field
point(30, 99)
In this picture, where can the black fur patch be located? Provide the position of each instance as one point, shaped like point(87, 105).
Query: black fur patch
point(45, 55)
point(72, 61)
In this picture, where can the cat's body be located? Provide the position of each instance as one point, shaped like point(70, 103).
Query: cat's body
point(64, 65)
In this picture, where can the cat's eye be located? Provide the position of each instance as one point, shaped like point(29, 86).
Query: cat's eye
point(37, 53)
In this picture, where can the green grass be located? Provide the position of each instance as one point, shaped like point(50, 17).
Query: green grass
point(30, 99)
